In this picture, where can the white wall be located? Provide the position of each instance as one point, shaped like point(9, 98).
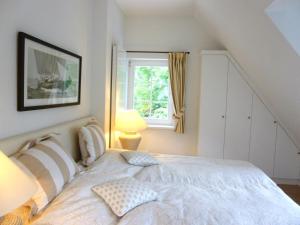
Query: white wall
point(64, 23)
point(107, 30)
point(172, 34)
point(88, 28)
point(99, 59)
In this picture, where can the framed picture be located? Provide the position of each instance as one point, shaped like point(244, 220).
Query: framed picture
point(48, 76)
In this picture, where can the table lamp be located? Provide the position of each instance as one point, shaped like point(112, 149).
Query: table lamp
point(130, 123)
point(16, 188)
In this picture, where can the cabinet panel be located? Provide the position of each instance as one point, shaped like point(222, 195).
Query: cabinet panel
point(263, 137)
point(213, 105)
point(287, 161)
point(238, 117)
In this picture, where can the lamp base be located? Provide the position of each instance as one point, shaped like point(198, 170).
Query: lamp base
point(130, 141)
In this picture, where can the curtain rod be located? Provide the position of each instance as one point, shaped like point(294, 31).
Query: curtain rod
point(152, 52)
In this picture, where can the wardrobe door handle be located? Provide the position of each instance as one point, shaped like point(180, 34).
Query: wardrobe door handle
point(249, 117)
point(223, 116)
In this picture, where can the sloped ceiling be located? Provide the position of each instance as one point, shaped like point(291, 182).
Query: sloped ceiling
point(272, 65)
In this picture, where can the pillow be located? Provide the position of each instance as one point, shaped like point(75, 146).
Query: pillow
point(139, 158)
point(124, 194)
point(92, 143)
point(12, 219)
point(50, 166)
point(19, 216)
point(29, 144)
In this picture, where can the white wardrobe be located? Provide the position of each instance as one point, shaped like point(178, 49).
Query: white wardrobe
point(235, 123)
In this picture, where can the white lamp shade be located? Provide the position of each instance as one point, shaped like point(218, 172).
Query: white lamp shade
point(130, 121)
point(16, 187)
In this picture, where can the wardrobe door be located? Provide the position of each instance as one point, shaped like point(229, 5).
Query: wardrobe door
point(287, 161)
point(263, 137)
point(213, 105)
point(238, 117)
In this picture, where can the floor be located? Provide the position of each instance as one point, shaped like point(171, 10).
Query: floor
point(292, 190)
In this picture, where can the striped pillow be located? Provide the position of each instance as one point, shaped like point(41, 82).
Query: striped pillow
point(51, 167)
point(92, 143)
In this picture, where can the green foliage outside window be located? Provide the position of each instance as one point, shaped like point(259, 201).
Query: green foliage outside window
point(151, 91)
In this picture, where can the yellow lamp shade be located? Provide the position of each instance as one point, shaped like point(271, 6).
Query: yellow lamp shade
point(130, 121)
point(16, 187)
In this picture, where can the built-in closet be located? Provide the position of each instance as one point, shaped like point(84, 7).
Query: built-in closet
point(236, 124)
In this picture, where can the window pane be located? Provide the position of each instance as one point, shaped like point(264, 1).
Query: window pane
point(143, 107)
point(142, 79)
point(151, 91)
point(159, 110)
point(160, 84)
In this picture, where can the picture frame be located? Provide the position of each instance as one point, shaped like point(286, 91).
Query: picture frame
point(48, 76)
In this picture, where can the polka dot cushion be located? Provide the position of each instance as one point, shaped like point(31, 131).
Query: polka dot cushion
point(139, 158)
point(124, 194)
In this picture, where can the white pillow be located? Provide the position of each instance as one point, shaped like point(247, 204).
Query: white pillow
point(50, 166)
point(124, 194)
point(91, 142)
point(139, 158)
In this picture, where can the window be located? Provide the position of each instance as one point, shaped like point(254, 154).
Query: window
point(285, 14)
point(149, 90)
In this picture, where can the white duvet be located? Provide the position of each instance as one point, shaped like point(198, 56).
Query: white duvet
point(191, 190)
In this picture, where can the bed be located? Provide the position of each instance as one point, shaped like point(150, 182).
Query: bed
point(191, 191)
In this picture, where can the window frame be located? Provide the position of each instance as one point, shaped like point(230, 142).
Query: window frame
point(132, 63)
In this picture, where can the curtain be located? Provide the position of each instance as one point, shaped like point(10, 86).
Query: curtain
point(177, 66)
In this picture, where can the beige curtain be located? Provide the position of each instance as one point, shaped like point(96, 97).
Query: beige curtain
point(177, 64)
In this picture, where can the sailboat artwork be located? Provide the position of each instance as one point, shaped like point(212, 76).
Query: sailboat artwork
point(53, 77)
point(48, 76)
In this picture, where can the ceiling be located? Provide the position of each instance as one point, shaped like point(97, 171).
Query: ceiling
point(157, 7)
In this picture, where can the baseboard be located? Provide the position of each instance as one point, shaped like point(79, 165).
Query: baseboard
point(286, 181)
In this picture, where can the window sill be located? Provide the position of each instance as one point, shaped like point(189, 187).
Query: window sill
point(161, 127)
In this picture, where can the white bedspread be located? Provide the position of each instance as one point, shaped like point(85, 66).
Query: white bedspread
point(192, 191)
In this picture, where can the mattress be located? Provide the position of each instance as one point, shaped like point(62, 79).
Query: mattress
point(191, 191)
